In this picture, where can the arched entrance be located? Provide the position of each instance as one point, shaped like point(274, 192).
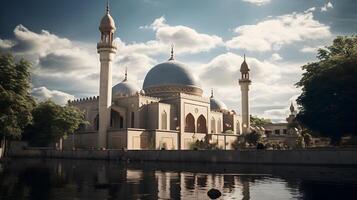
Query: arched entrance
point(213, 125)
point(116, 121)
point(190, 123)
point(238, 128)
point(96, 122)
point(164, 121)
point(219, 126)
point(201, 124)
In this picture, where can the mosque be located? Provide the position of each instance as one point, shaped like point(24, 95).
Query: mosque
point(169, 112)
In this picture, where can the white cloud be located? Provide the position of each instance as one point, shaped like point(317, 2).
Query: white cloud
point(42, 94)
point(258, 2)
point(310, 49)
point(185, 40)
point(326, 7)
point(276, 57)
point(272, 34)
point(69, 66)
point(312, 9)
point(5, 44)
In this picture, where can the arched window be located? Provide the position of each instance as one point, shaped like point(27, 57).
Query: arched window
point(164, 121)
point(238, 127)
point(132, 120)
point(213, 125)
point(116, 121)
point(96, 123)
point(190, 123)
point(201, 124)
point(219, 126)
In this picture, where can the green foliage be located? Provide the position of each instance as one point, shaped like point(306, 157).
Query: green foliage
point(329, 91)
point(253, 137)
point(16, 102)
point(239, 143)
point(51, 122)
point(203, 145)
point(256, 121)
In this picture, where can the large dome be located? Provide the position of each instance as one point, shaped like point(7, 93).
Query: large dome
point(124, 88)
point(217, 105)
point(171, 75)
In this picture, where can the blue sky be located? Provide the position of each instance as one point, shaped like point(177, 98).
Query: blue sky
point(210, 36)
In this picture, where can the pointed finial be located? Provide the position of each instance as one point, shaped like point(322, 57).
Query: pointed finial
point(107, 6)
point(244, 57)
point(172, 52)
point(126, 74)
point(211, 92)
point(292, 108)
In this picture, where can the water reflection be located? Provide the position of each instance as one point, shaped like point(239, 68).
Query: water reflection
point(73, 179)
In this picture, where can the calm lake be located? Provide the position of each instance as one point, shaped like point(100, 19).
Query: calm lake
point(37, 179)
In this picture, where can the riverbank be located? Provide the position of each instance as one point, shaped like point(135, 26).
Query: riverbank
point(251, 156)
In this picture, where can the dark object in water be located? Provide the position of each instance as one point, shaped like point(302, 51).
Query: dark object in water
point(214, 193)
point(101, 185)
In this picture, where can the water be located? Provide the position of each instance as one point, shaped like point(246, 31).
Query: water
point(37, 179)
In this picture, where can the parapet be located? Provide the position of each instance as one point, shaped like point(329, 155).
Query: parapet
point(83, 100)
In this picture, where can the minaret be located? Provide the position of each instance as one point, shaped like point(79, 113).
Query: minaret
point(106, 50)
point(244, 83)
point(291, 117)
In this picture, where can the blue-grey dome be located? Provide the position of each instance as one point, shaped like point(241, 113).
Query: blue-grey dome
point(125, 88)
point(217, 105)
point(169, 73)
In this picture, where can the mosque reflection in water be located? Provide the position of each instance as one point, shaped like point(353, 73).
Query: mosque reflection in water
point(69, 179)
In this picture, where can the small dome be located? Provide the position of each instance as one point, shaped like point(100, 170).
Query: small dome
point(217, 105)
point(107, 23)
point(169, 73)
point(244, 67)
point(125, 88)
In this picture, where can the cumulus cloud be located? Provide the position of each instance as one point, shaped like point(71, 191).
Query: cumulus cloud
point(276, 57)
point(328, 6)
point(272, 34)
point(43, 94)
point(310, 49)
point(185, 39)
point(258, 2)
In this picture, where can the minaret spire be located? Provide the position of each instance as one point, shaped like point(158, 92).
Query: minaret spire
point(211, 92)
point(107, 7)
point(172, 52)
point(126, 74)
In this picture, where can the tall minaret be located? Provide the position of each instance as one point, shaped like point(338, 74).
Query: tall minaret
point(107, 51)
point(244, 83)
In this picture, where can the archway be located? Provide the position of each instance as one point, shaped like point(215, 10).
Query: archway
point(116, 121)
point(164, 121)
point(213, 125)
point(201, 124)
point(238, 128)
point(132, 120)
point(219, 126)
point(96, 122)
point(190, 123)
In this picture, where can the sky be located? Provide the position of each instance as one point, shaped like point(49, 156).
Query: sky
point(210, 36)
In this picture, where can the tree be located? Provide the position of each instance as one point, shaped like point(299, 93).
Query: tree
point(16, 102)
point(253, 137)
point(329, 91)
point(51, 122)
point(256, 121)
